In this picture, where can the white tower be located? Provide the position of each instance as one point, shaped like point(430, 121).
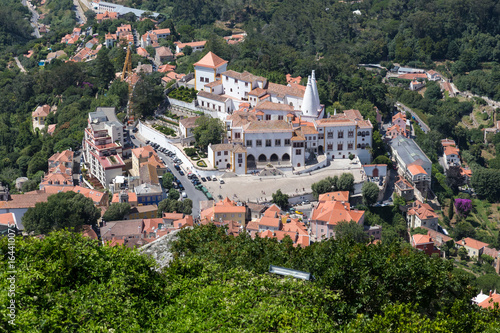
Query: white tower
point(308, 108)
point(317, 106)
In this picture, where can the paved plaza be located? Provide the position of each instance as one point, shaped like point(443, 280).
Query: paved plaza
point(255, 188)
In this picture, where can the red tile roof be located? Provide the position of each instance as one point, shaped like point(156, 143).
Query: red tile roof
point(473, 243)
point(211, 60)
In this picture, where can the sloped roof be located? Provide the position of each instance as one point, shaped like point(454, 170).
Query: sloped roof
point(421, 239)
point(188, 122)
point(268, 126)
point(211, 60)
point(268, 105)
point(333, 212)
point(473, 243)
point(416, 169)
point(41, 111)
point(335, 196)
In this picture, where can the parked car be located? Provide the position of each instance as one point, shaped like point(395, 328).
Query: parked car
point(181, 172)
point(209, 178)
point(132, 136)
point(214, 179)
point(184, 195)
point(299, 212)
point(147, 142)
point(168, 170)
point(221, 181)
point(203, 179)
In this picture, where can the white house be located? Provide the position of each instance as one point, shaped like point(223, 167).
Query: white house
point(207, 69)
point(422, 215)
point(228, 156)
point(451, 153)
point(195, 46)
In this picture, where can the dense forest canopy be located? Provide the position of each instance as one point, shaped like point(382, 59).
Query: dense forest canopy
point(66, 282)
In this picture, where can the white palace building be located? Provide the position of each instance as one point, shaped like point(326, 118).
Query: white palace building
point(269, 123)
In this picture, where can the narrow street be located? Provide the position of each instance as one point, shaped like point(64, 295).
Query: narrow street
point(195, 195)
point(21, 67)
point(34, 17)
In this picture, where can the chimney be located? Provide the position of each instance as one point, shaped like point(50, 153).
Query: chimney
point(490, 293)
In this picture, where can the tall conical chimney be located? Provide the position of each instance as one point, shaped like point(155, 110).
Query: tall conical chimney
point(315, 91)
point(308, 107)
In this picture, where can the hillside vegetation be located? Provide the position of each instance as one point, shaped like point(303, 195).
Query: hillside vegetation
point(67, 283)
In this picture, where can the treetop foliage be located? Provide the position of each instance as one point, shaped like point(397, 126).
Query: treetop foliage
point(209, 286)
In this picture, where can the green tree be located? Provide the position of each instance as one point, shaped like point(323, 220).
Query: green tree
point(433, 91)
point(167, 181)
point(462, 252)
point(326, 185)
point(187, 206)
point(173, 194)
point(208, 131)
point(187, 50)
point(351, 230)
point(346, 182)
point(280, 199)
point(116, 212)
point(370, 193)
point(147, 95)
point(62, 210)
point(102, 68)
point(37, 163)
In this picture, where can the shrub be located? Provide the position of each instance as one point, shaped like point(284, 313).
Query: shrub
point(195, 158)
point(201, 164)
point(190, 151)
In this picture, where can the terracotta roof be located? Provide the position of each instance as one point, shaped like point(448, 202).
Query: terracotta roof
point(403, 184)
point(252, 226)
point(148, 174)
point(416, 169)
point(399, 115)
point(142, 52)
point(89, 232)
point(96, 196)
point(421, 239)
point(491, 301)
point(62, 157)
point(161, 31)
point(422, 210)
point(447, 142)
point(257, 92)
point(364, 124)
point(267, 233)
point(173, 216)
point(245, 76)
point(213, 84)
point(303, 241)
point(268, 105)
point(333, 212)
point(211, 60)
point(282, 90)
point(188, 122)
point(473, 243)
point(241, 118)
point(308, 130)
point(268, 126)
point(7, 219)
point(143, 152)
point(132, 198)
point(222, 147)
point(449, 150)
point(164, 52)
point(342, 196)
point(26, 200)
point(218, 98)
point(339, 121)
point(41, 111)
point(412, 76)
point(353, 114)
point(51, 128)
